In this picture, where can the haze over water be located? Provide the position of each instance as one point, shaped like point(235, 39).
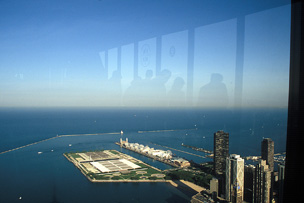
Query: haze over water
point(102, 66)
point(49, 176)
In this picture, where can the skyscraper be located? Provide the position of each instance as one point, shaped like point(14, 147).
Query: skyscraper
point(262, 183)
point(234, 179)
point(249, 182)
point(267, 153)
point(214, 187)
point(221, 152)
point(281, 168)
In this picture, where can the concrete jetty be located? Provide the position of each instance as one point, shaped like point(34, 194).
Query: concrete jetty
point(198, 149)
point(58, 136)
point(159, 131)
point(179, 150)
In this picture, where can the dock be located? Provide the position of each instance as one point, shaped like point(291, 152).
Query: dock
point(179, 150)
point(159, 131)
point(198, 149)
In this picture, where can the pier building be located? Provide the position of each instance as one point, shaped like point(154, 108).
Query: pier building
point(160, 155)
point(146, 149)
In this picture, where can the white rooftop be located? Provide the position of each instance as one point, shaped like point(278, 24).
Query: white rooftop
point(114, 165)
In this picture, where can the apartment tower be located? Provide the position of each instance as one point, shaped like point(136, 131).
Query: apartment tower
point(221, 151)
point(262, 183)
point(234, 179)
point(267, 147)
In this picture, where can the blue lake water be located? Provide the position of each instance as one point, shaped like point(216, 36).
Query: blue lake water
point(49, 177)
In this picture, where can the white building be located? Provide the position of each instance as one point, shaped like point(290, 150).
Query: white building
point(146, 149)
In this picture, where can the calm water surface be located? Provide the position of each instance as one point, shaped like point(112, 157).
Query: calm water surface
point(49, 177)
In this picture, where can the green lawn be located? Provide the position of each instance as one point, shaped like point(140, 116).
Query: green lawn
point(129, 176)
point(114, 152)
point(74, 155)
point(199, 179)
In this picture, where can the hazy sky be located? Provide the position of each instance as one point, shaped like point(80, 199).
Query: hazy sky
point(143, 53)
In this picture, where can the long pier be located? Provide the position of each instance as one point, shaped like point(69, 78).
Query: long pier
point(27, 145)
point(159, 131)
point(58, 136)
point(198, 149)
point(73, 135)
point(179, 150)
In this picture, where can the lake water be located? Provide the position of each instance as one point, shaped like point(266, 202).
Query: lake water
point(49, 177)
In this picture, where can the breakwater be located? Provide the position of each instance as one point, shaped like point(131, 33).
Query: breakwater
point(179, 150)
point(159, 131)
point(27, 145)
point(58, 136)
point(198, 149)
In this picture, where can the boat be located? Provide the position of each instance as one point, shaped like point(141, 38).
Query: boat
point(39, 152)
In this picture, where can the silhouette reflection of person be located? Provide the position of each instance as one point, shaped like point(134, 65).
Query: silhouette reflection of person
point(149, 91)
point(176, 97)
point(132, 96)
point(214, 94)
point(146, 87)
point(159, 92)
point(138, 92)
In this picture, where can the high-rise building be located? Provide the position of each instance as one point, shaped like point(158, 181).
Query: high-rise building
point(249, 182)
point(234, 179)
point(221, 151)
point(267, 153)
point(214, 187)
point(281, 168)
point(267, 148)
point(262, 183)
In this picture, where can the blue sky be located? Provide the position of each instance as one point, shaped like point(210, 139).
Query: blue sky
point(64, 53)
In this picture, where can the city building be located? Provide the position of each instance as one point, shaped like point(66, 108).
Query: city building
point(267, 147)
point(214, 187)
point(249, 182)
point(234, 179)
point(180, 162)
point(262, 183)
point(267, 153)
point(221, 152)
point(281, 179)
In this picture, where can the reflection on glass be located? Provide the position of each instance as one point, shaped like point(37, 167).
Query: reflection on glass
point(168, 76)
